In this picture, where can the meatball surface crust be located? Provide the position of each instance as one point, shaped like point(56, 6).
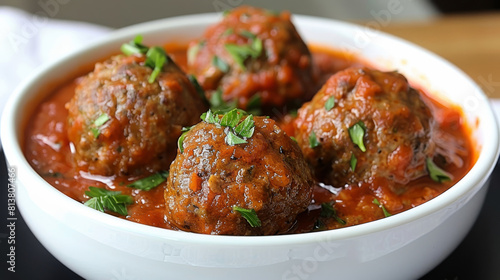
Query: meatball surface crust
point(120, 124)
point(397, 126)
point(253, 51)
point(267, 174)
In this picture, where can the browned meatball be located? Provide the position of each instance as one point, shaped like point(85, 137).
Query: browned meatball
point(119, 123)
point(362, 109)
point(268, 175)
point(254, 52)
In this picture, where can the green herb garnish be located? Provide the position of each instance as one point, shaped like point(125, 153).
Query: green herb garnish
point(198, 88)
point(231, 139)
point(437, 174)
point(246, 127)
point(134, 47)
point(102, 119)
point(353, 162)
point(241, 52)
point(357, 132)
point(192, 52)
point(150, 182)
point(327, 211)
point(376, 202)
point(250, 215)
point(102, 199)
point(330, 102)
point(180, 141)
point(155, 59)
point(220, 64)
point(217, 103)
point(313, 140)
point(231, 118)
point(254, 105)
point(155, 56)
point(236, 132)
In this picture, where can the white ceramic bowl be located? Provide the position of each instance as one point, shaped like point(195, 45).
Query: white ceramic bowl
point(404, 246)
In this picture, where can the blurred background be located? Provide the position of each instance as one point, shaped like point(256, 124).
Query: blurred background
point(126, 12)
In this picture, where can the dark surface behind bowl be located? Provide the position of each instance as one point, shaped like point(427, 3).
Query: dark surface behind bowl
point(477, 257)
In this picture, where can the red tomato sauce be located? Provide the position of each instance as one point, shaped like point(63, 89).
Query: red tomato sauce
point(49, 152)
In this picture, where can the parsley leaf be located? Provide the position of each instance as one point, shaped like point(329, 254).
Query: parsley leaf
point(102, 199)
point(217, 103)
point(192, 52)
point(155, 56)
point(241, 52)
point(437, 174)
point(246, 127)
point(353, 162)
point(357, 132)
point(330, 102)
point(376, 202)
point(254, 105)
point(150, 182)
point(327, 211)
point(231, 118)
point(232, 139)
point(134, 47)
point(102, 119)
point(236, 130)
point(220, 64)
point(180, 141)
point(250, 215)
point(313, 140)
point(155, 59)
point(198, 88)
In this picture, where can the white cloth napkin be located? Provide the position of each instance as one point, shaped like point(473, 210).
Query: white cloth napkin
point(28, 41)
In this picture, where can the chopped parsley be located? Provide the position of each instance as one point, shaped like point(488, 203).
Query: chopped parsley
point(330, 102)
point(313, 140)
point(150, 182)
point(198, 88)
point(134, 47)
point(102, 119)
point(376, 202)
point(250, 215)
point(102, 199)
point(180, 141)
point(437, 174)
point(353, 162)
point(217, 103)
point(357, 132)
point(327, 211)
point(192, 52)
point(156, 57)
point(241, 52)
point(236, 132)
point(220, 64)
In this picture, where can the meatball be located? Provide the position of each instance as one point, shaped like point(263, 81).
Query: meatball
point(121, 124)
point(210, 177)
point(364, 124)
point(254, 54)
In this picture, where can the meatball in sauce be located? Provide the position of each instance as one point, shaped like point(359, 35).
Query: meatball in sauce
point(393, 123)
point(210, 177)
point(121, 124)
point(254, 53)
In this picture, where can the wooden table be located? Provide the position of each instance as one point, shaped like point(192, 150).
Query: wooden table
point(472, 42)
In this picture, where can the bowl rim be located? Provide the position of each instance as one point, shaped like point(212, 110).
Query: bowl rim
point(471, 182)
